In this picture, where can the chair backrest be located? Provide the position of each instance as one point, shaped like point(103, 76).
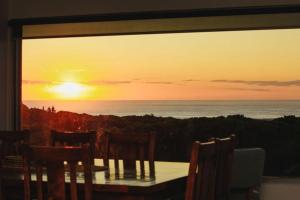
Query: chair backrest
point(11, 141)
point(202, 172)
point(53, 159)
point(129, 148)
point(225, 151)
point(10, 145)
point(74, 139)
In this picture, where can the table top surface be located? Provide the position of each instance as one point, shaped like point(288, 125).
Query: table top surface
point(165, 172)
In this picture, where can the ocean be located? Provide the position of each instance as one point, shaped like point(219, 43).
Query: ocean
point(177, 108)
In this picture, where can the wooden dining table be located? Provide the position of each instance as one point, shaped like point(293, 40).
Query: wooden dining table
point(169, 181)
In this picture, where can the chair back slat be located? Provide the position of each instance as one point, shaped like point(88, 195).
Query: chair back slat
point(106, 151)
point(39, 180)
point(225, 148)
point(88, 187)
point(56, 180)
point(202, 172)
point(151, 153)
point(142, 159)
point(116, 158)
point(27, 179)
point(73, 178)
point(52, 158)
point(199, 183)
point(191, 180)
point(130, 148)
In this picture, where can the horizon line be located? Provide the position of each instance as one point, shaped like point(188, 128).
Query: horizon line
point(163, 100)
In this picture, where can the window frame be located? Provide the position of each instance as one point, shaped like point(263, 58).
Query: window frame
point(205, 20)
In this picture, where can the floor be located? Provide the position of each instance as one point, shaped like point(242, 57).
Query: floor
point(274, 188)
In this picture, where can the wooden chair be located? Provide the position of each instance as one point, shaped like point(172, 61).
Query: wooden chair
point(74, 139)
point(10, 149)
point(11, 141)
point(202, 172)
point(129, 148)
point(53, 159)
point(225, 150)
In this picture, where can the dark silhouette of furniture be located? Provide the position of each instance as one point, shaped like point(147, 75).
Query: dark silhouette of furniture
point(11, 141)
point(130, 147)
point(202, 172)
point(52, 158)
point(210, 169)
point(225, 150)
point(10, 150)
point(74, 139)
point(170, 180)
point(247, 172)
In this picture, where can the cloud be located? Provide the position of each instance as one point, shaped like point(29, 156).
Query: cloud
point(262, 83)
point(249, 89)
point(36, 82)
point(191, 80)
point(159, 82)
point(108, 82)
point(100, 82)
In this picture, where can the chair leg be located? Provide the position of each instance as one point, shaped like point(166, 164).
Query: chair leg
point(251, 193)
point(248, 194)
point(1, 195)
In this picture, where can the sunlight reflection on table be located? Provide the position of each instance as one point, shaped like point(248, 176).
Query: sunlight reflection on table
point(164, 171)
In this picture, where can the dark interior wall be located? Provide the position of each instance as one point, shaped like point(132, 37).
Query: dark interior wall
point(3, 62)
point(37, 8)
point(20, 9)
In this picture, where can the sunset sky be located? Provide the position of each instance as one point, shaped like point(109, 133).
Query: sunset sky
point(191, 66)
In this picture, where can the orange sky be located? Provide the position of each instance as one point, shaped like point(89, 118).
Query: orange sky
point(215, 65)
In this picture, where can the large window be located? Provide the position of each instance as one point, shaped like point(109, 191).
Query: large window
point(183, 86)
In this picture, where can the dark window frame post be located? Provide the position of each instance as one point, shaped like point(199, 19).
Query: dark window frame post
point(17, 79)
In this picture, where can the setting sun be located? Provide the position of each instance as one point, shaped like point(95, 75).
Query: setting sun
point(69, 90)
point(244, 66)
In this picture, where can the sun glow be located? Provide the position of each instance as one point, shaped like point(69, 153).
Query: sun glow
point(232, 65)
point(69, 90)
